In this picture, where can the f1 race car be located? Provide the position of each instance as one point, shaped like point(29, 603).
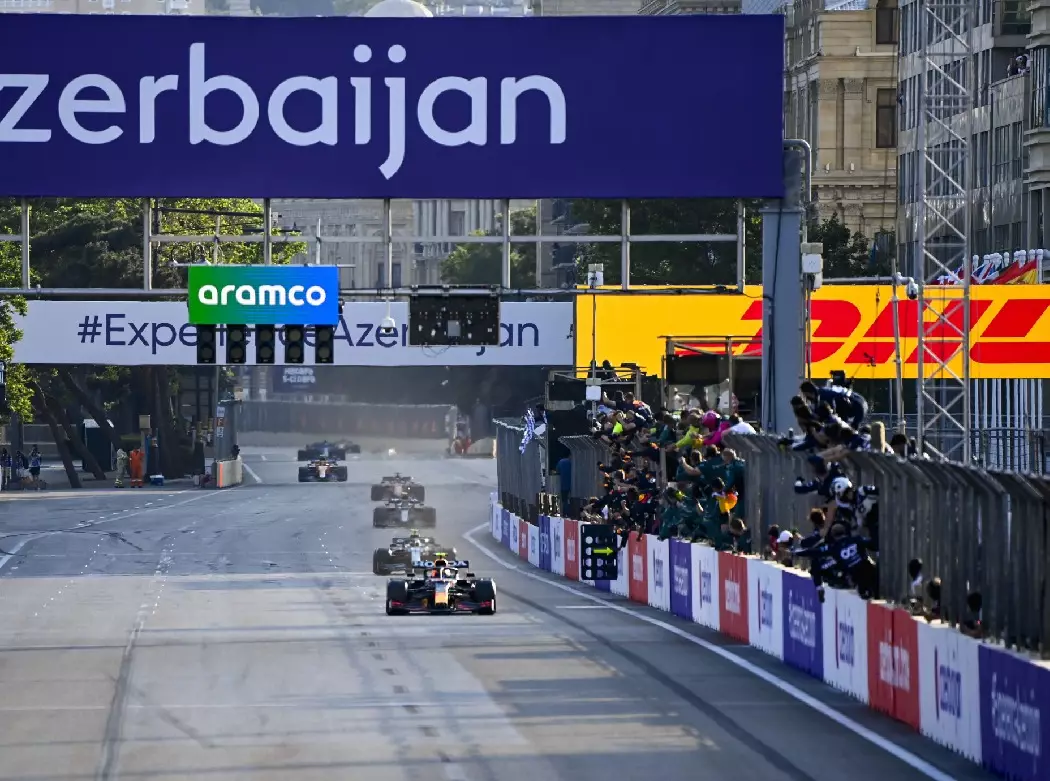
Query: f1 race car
point(404, 553)
point(396, 487)
point(404, 513)
point(336, 450)
point(323, 470)
point(441, 586)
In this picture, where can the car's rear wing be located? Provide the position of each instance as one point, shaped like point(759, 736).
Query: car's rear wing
point(453, 564)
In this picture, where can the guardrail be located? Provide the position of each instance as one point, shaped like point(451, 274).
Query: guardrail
point(974, 697)
point(422, 421)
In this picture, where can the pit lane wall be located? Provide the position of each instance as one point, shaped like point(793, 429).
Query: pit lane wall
point(990, 705)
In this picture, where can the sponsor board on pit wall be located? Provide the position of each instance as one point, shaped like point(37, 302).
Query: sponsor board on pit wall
point(534, 545)
point(557, 540)
point(659, 585)
point(513, 542)
point(845, 618)
point(545, 556)
point(987, 704)
point(950, 688)
point(766, 613)
point(143, 333)
point(706, 600)
point(853, 329)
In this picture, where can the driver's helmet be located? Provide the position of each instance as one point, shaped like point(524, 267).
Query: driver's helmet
point(440, 563)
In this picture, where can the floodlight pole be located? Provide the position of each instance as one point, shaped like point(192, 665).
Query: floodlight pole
point(388, 241)
point(783, 340)
point(505, 248)
point(147, 245)
point(741, 246)
point(25, 242)
point(625, 244)
point(267, 232)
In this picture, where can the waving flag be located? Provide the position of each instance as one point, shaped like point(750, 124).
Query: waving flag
point(530, 430)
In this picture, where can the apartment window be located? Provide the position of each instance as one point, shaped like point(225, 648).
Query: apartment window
point(395, 275)
point(1040, 87)
point(886, 16)
point(381, 274)
point(886, 119)
point(457, 223)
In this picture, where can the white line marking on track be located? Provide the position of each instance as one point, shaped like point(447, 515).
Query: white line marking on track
point(263, 457)
point(16, 548)
point(251, 471)
point(911, 760)
point(583, 607)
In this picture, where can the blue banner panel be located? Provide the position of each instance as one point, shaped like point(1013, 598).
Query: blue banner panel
point(340, 107)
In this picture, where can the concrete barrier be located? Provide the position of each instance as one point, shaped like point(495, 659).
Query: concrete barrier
point(483, 448)
point(227, 473)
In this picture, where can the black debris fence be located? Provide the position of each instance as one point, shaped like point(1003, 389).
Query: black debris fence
point(586, 453)
point(519, 474)
point(977, 530)
point(421, 421)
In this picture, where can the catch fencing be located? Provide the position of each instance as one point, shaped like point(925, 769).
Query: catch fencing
point(975, 529)
point(520, 475)
point(419, 421)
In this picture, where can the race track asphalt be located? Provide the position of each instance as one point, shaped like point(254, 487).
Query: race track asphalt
point(219, 635)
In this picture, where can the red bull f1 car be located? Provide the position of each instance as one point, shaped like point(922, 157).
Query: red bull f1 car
point(442, 587)
point(323, 470)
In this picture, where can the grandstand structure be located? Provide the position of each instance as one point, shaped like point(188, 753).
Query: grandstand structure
point(947, 88)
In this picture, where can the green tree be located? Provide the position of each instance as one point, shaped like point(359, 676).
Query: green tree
point(679, 263)
point(847, 253)
point(98, 243)
point(479, 264)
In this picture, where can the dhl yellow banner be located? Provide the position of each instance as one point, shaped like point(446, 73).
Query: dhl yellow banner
point(852, 329)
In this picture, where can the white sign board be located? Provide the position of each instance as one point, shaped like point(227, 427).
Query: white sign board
point(155, 333)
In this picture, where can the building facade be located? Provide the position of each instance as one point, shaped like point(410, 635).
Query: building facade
point(841, 96)
point(136, 7)
point(996, 127)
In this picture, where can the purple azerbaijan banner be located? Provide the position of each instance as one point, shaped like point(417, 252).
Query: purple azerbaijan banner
point(803, 625)
point(1015, 715)
point(340, 107)
point(681, 579)
point(505, 528)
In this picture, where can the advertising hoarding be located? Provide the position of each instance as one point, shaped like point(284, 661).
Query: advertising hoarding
point(852, 329)
point(341, 107)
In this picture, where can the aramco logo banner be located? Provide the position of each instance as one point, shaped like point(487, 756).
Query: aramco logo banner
point(391, 108)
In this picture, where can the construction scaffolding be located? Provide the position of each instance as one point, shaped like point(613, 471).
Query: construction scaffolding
point(946, 102)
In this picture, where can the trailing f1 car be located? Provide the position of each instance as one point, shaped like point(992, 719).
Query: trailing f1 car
point(404, 513)
point(398, 486)
point(323, 470)
point(404, 553)
point(334, 450)
point(441, 586)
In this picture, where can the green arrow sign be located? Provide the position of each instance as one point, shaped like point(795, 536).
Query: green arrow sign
point(602, 550)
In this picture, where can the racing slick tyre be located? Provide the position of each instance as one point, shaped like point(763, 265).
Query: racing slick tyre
point(396, 591)
point(304, 475)
point(485, 591)
point(340, 474)
point(379, 493)
point(427, 517)
point(417, 492)
point(338, 453)
point(381, 518)
point(353, 449)
point(306, 455)
point(380, 558)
